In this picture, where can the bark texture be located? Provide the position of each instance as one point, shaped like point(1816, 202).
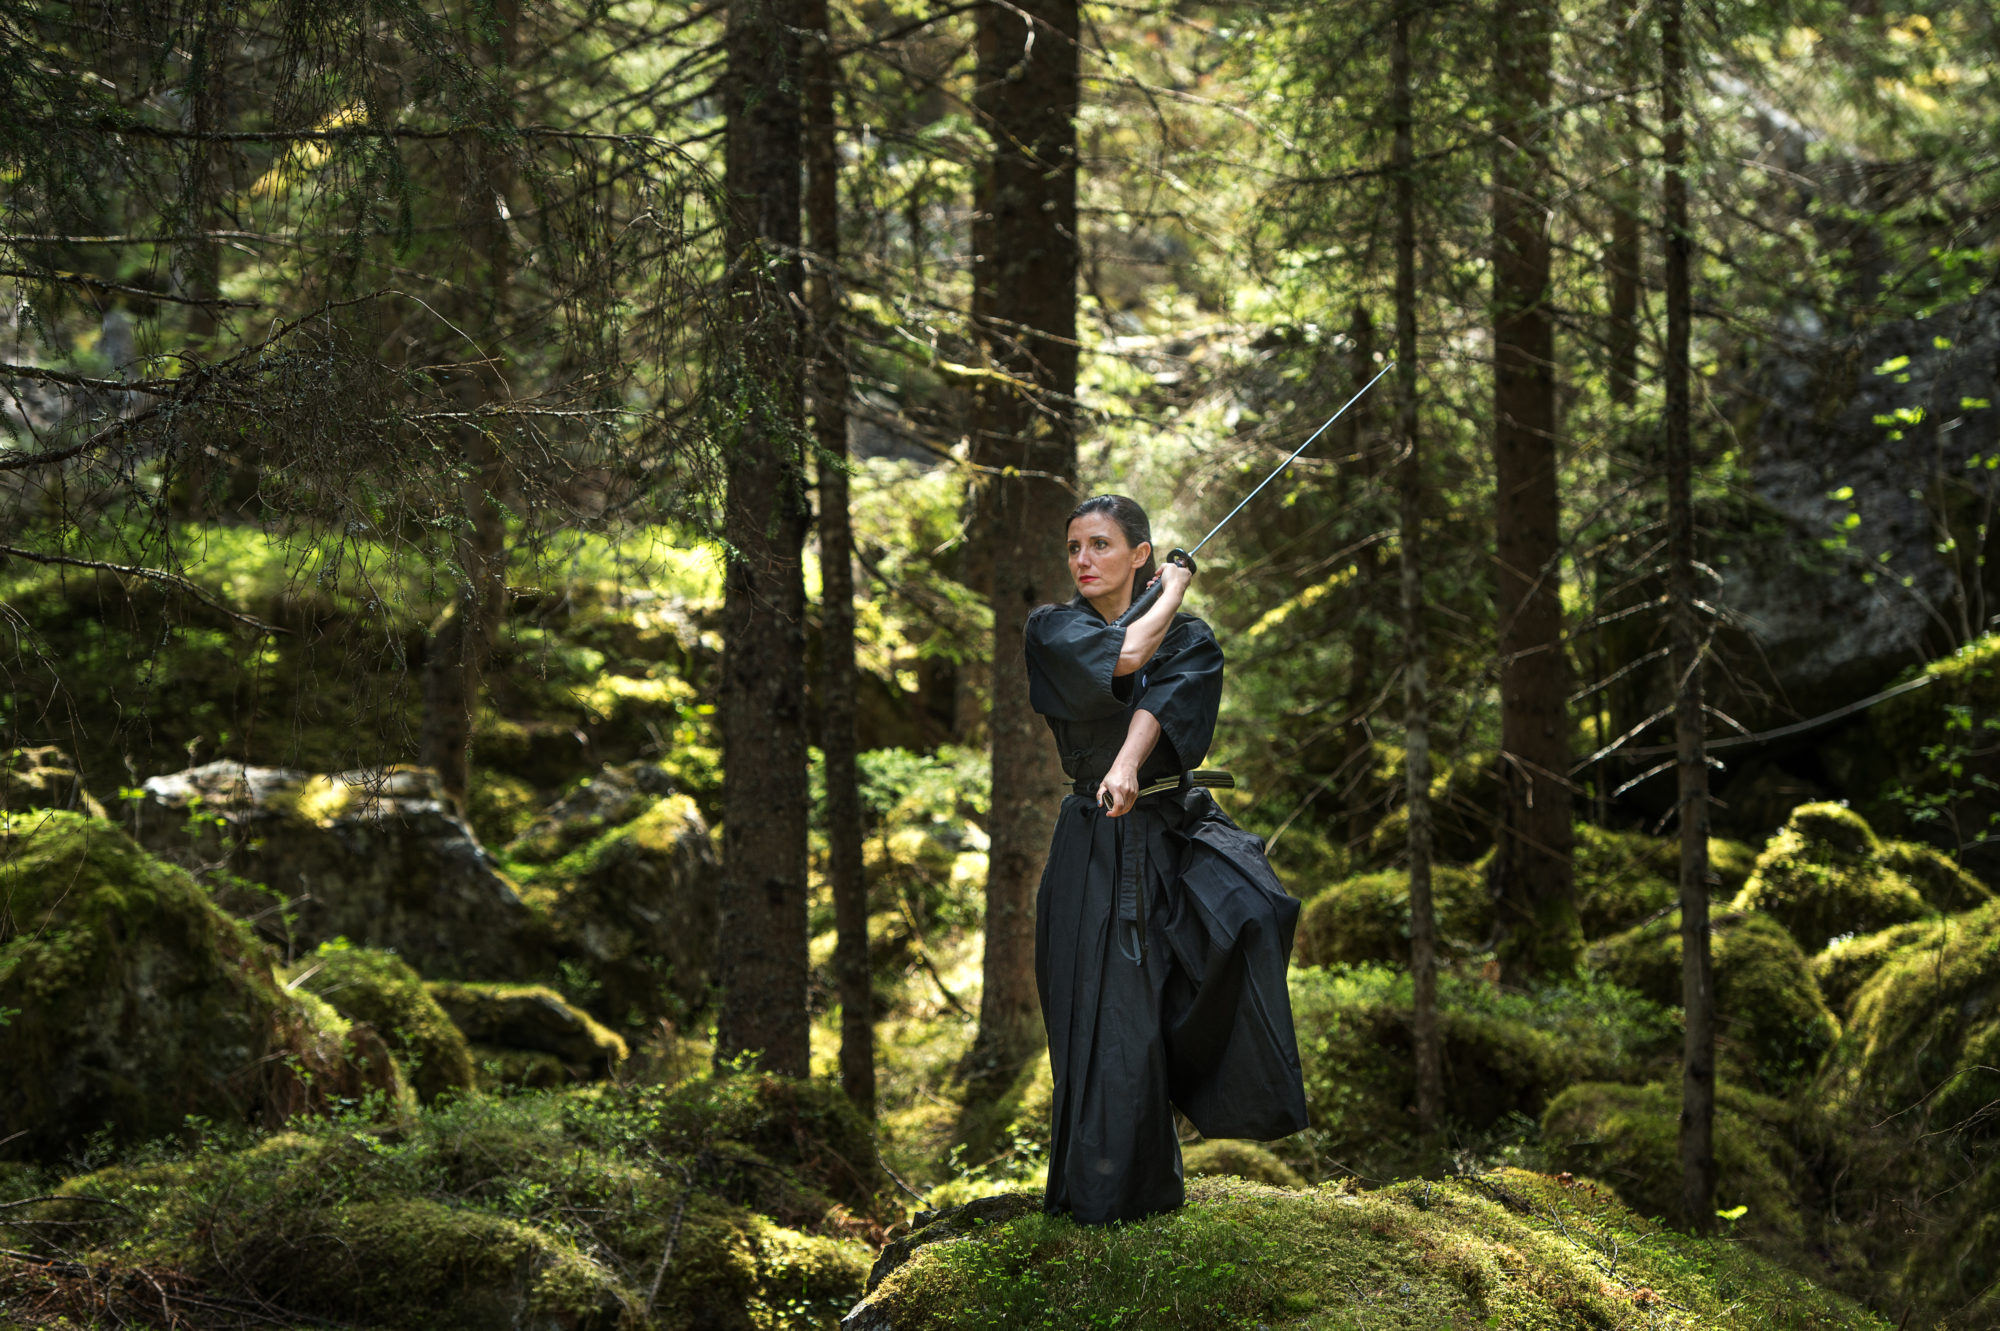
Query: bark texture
point(1697, 1126)
point(1416, 697)
point(762, 956)
point(828, 358)
point(1366, 634)
point(1024, 313)
point(1532, 877)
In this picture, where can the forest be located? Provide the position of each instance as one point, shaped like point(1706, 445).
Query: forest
point(519, 799)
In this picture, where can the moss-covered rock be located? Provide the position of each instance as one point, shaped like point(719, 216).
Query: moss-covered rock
point(1508, 1249)
point(133, 1002)
point(1908, 1101)
point(543, 1211)
point(1367, 919)
point(1843, 966)
point(1926, 760)
point(364, 984)
point(1629, 1137)
point(628, 876)
point(1505, 1055)
point(1773, 1023)
point(808, 1126)
point(376, 857)
point(44, 777)
point(1239, 1159)
point(1626, 878)
point(531, 1019)
point(1827, 875)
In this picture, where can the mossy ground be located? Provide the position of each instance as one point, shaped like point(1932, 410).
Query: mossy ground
point(536, 1209)
point(1508, 1249)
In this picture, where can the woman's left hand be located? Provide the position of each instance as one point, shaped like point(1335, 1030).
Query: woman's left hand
point(1119, 790)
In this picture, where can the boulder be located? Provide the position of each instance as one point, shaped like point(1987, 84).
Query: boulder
point(1629, 1137)
point(376, 857)
point(1826, 875)
point(628, 876)
point(132, 1002)
point(1625, 878)
point(1773, 1024)
point(1908, 1101)
point(1924, 763)
point(367, 985)
point(1505, 1055)
point(1367, 918)
point(531, 1019)
point(44, 778)
point(1239, 1159)
point(1819, 612)
point(1848, 964)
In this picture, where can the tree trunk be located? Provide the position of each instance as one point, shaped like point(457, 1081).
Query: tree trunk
point(762, 957)
point(1416, 697)
point(1624, 258)
point(1532, 880)
point(463, 638)
point(1024, 314)
point(1366, 635)
point(1697, 1137)
point(836, 563)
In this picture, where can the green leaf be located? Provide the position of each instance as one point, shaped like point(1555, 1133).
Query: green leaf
point(1893, 365)
point(1733, 1213)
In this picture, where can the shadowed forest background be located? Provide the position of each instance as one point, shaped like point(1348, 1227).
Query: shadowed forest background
point(517, 799)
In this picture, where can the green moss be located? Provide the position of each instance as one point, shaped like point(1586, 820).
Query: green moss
point(1773, 1023)
point(1509, 1249)
point(377, 987)
point(1846, 964)
point(1239, 1159)
point(1506, 1054)
point(136, 1002)
point(1907, 1098)
point(1625, 878)
point(530, 1017)
point(548, 1210)
point(1629, 1137)
point(808, 1126)
point(499, 806)
point(1826, 874)
point(1367, 919)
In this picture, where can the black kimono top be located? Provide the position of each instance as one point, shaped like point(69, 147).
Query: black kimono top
point(1072, 652)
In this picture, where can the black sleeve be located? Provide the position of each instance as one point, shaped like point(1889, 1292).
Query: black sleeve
point(1184, 689)
point(1071, 656)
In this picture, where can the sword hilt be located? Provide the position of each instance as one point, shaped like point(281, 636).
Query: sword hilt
point(1181, 557)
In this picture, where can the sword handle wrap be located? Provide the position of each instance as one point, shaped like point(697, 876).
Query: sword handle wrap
point(1181, 557)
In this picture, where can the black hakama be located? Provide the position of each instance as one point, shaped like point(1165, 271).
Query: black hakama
point(1161, 936)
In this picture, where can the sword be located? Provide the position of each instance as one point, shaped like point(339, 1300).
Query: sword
point(1185, 558)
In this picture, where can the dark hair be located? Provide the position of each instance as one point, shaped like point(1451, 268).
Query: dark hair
point(1131, 520)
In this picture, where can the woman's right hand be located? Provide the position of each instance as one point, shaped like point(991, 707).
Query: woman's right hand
point(1173, 580)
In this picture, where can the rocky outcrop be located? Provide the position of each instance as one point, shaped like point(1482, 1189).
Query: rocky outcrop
point(531, 1019)
point(131, 1002)
point(629, 878)
point(375, 857)
point(1854, 549)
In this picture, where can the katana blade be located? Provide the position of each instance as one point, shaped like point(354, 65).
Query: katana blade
point(1189, 554)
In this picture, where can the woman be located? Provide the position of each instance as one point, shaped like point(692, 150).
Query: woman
point(1161, 932)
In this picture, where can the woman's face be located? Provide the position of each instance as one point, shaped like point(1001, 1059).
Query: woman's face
point(1101, 560)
